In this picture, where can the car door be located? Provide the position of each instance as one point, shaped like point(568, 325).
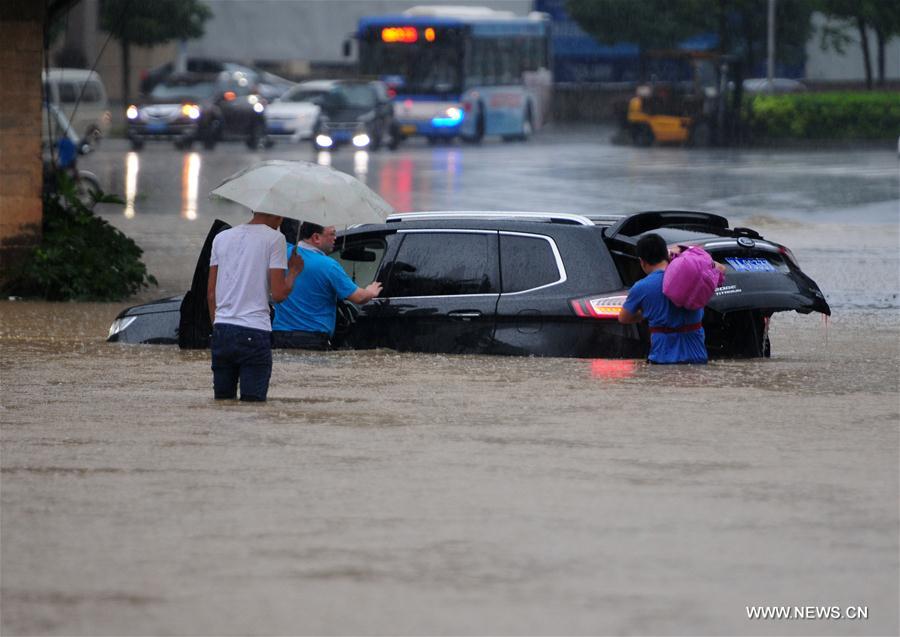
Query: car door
point(440, 292)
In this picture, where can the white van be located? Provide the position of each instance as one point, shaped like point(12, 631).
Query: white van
point(91, 118)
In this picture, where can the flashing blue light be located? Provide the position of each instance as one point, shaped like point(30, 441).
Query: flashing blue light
point(454, 117)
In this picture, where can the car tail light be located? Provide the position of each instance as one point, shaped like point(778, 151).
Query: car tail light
point(788, 255)
point(467, 107)
point(599, 307)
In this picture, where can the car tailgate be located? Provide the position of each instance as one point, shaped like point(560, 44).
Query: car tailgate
point(761, 275)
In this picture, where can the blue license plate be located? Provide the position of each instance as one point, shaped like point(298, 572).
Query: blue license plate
point(750, 265)
point(156, 127)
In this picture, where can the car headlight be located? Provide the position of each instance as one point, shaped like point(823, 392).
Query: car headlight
point(120, 324)
point(452, 116)
point(191, 110)
point(361, 140)
point(131, 112)
point(258, 107)
point(324, 141)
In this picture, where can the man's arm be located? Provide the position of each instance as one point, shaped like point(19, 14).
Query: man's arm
point(211, 292)
point(626, 317)
point(281, 283)
point(366, 294)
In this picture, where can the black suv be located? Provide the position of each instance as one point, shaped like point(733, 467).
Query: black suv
point(358, 113)
point(538, 284)
point(197, 107)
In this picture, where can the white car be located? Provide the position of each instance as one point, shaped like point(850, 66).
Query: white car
point(80, 95)
point(293, 116)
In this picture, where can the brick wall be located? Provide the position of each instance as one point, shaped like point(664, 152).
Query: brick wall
point(21, 36)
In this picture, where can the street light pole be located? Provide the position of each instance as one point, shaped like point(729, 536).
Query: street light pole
point(770, 64)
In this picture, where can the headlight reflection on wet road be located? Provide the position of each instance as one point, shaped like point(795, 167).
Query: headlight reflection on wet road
point(190, 179)
point(132, 165)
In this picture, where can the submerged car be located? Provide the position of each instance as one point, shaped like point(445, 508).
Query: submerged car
point(191, 107)
point(540, 284)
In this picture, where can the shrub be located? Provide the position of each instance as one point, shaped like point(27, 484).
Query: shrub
point(834, 115)
point(81, 256)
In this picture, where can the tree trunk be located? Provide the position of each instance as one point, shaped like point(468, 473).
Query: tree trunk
point(126, 72)
point(879, 34)
point(864, 43)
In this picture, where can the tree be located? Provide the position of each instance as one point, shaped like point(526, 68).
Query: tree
point(881, 16)
point(660, 24)
point(150, 23)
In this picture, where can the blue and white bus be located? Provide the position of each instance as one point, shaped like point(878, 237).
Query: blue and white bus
point(461, 71)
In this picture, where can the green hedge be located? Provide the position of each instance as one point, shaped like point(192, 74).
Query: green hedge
point(833, 115)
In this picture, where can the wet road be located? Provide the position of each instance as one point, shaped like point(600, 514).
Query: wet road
point(413, 494)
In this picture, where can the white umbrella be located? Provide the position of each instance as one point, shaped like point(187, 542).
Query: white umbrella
point(304, 190)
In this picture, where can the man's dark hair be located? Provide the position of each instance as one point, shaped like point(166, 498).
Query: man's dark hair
point(652, 248)
point(308, 229)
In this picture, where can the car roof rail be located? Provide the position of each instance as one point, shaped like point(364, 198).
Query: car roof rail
point(606, 220)
point(551, 217)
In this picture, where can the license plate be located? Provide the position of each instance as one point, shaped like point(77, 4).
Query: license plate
point(156, 126)
point(750, 265)
point(276, 126)
point(408, 129)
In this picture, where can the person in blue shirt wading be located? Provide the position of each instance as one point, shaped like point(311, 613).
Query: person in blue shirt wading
point(676, 334)
point(305, 320)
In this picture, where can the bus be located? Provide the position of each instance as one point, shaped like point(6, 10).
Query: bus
point(461, 72)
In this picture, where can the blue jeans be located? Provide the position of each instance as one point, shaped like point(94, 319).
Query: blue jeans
point(241, 354)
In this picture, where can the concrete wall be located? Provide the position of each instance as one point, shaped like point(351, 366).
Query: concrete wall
point(21, 44)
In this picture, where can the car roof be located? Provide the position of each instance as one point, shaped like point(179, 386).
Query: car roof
point(70, 74)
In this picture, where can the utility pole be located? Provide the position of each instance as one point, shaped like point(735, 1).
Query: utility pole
point(770, 63)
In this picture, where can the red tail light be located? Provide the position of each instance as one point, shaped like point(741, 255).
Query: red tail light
point(789, 255)
point(599, 307)
point(392, 93)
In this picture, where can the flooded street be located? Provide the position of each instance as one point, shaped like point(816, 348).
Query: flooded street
point(385, 493)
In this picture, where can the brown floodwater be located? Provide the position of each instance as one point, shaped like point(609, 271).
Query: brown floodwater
point(385, 493)
point(392, 493)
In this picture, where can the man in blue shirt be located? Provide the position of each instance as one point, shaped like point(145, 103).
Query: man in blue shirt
point(305, 320)
point(676, 334)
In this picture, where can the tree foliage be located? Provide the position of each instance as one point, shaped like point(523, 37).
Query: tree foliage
point(660, 24)
point(81, 256)
point(881, 16)
point(150, 22)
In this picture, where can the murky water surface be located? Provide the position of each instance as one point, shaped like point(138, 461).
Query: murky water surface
point(385, 493)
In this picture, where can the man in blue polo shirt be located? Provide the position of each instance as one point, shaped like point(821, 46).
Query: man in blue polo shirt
point(305, 320)
point(676, 334)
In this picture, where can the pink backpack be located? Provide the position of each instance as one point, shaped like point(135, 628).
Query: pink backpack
point(691, 279)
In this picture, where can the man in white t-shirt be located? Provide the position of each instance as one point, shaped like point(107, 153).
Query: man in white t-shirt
point(247, 264)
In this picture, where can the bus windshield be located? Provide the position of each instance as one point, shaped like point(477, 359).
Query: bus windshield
point(420, 69)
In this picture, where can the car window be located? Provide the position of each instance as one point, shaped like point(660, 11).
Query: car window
point(360, 259)
point(196, 90)
point(352, 96)
point(526, 263)
point(68, 92)
point(443, 264)
point(91, 92)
